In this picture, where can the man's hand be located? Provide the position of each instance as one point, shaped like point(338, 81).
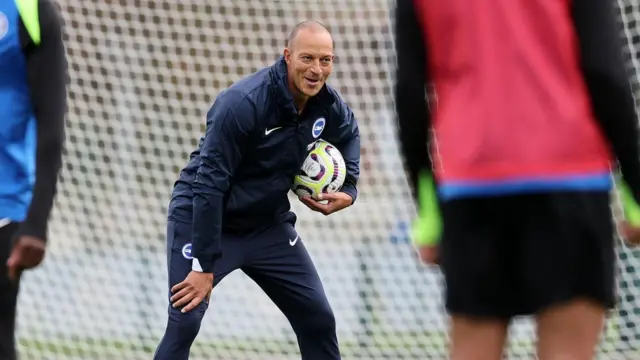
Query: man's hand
point(335, 202)
point(630, 233)
point(429, 254)
point(28, 252)
point(192, 291)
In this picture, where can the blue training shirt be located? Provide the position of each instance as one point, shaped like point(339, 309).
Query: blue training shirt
point(33, 76)
point(18, 129)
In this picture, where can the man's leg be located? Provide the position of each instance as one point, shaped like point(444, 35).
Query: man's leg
point(281, 266)
point(479, 267)
point(182, 329)
point(569, 258)
point(8, 297)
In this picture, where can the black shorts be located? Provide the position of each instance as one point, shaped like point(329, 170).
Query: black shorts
point(8, 289)
point(517, 255)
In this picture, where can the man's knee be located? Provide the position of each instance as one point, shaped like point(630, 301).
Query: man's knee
point(319, 318)
point(181, 331)
point(325, 321)
point(570, 330)
point(184, 327)
point(477, 337)
point(315, 328)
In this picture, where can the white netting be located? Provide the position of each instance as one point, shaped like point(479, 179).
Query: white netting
point(143, 74)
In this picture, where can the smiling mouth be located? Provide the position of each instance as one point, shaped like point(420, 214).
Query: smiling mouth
point(312, 82)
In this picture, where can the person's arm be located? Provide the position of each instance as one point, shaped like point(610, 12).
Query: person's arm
point(607, 80)
point(229, 124)
point(348, 143)
point(414, 125)
point(47, 81)
point(414, 119)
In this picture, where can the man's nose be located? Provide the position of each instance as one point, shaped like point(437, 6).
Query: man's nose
point(316, 69)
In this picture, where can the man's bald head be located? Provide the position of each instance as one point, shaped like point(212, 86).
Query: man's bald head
point(309, 25)
point(309, 58)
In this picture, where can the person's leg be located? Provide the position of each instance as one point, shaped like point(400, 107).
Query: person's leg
point(182, 328)
point(569, 258)
point(281, 266)
point(8, 297)
point(478, 267)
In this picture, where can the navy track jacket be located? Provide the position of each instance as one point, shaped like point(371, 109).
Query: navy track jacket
point(238, 179)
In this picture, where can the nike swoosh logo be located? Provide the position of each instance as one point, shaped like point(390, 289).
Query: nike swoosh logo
point(294, 241)
point(269, 131)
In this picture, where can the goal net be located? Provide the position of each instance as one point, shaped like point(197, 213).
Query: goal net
point(143, 73)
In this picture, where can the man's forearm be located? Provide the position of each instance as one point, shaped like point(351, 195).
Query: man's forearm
point(47, 79)
point(220, 154)
point(608, 83)
point(351, 154)
point(207, 230)
point(621, 129)
point(414, 121)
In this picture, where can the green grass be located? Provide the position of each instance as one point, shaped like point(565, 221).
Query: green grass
point(88, 347)
point(388, 344)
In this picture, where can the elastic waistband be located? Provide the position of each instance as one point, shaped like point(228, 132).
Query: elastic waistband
point(459, 189)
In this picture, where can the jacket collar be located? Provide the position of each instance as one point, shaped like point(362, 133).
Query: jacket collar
point(323, 99)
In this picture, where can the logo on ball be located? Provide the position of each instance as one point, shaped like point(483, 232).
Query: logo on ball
point(186, 251)
point(317, 128)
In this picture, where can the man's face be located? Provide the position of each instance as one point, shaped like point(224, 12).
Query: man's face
point(309, 61)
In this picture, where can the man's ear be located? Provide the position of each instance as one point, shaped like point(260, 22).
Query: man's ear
point(287, 55)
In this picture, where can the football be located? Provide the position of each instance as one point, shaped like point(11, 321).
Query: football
point(323, 171)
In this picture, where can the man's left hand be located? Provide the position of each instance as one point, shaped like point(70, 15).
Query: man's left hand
point(195, 288)
point(335, 202)
point(630, 233)
point(28, 252)
point(429, 254)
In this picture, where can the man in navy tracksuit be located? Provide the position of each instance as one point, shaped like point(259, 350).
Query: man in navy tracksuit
point(230, 208)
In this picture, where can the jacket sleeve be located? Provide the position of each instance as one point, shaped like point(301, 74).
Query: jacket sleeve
point(607, 80)
point(346, 138)
point(47, 81)
point(414, 120)
point(229, 124)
